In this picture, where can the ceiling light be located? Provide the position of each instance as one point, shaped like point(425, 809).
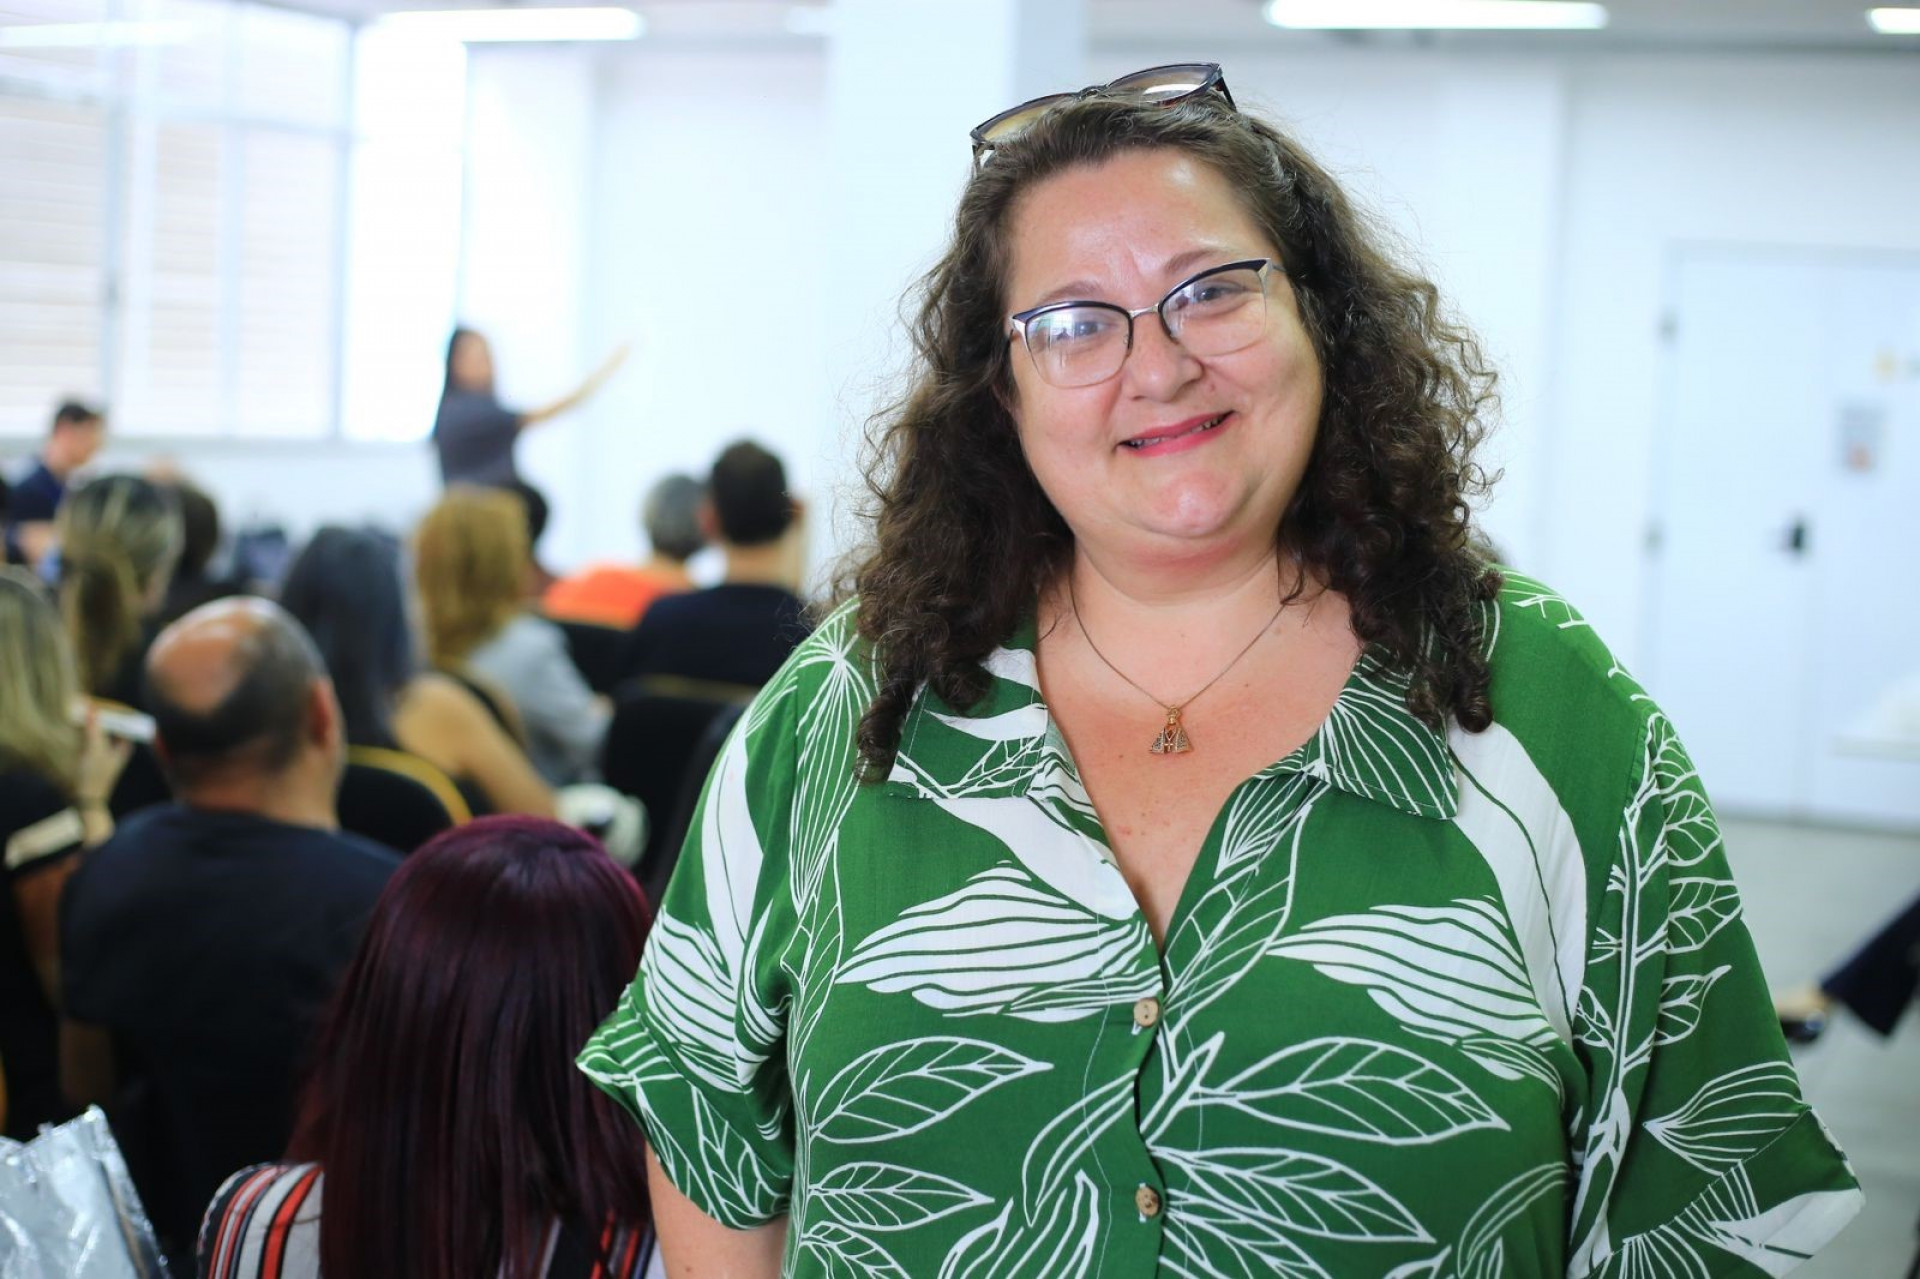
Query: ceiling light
point(1895, 22)
point(86, 35)
point(488, 26)
point(1436, 15)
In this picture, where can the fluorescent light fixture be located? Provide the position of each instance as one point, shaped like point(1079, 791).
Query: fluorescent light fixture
point(1895, 22)
point(1436, 15)
point(512, 26)
point(89, 35)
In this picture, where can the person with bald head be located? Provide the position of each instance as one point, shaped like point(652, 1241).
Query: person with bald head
point(199, 942)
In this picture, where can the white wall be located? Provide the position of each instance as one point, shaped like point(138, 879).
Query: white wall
point(705, 234)
point(1781, 151)
point(532, 135)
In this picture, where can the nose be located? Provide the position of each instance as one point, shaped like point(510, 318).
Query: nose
point(1157, 367)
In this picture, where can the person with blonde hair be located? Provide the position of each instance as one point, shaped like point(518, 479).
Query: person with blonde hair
point(55, 777)
point(119, 539)
point(470, 563)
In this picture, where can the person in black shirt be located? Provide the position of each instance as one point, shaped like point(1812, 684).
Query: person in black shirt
point(76, 435)
point(473, 433)
point(198, 944)
point(740, 631)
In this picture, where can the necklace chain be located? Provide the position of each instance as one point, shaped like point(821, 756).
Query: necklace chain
point(1172, 738)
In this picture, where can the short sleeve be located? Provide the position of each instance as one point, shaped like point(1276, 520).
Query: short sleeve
point(262, 1224)
point(1699, 1155)
point(696, 1048)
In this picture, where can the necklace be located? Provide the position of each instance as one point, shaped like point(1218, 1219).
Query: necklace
point(1172, 739)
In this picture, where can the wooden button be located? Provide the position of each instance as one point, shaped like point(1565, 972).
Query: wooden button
point(1147, 1200)
point(1146, 1013)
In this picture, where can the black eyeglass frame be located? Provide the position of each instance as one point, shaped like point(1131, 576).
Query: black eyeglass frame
point(1021, 319)
point(1211, 80)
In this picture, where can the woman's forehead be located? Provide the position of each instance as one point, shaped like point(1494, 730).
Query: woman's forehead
point(1149, 216)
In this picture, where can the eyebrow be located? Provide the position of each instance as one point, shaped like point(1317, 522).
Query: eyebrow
point(1180, 266)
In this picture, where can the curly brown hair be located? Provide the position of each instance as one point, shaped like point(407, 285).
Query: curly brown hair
point(965, 540)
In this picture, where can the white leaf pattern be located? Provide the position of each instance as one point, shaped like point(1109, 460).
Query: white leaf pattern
point(881, 1196)
point(1451, 971)
point(1355, 1088)
point(1060, 1242)
point(1290, 1191)
point(1480, 1251)
point(898, 1089)
point(1682, 999)
point(1732, 1116)
point(846, 1254)
point(1004, 944)
point(690, 992)
point(1700, 908)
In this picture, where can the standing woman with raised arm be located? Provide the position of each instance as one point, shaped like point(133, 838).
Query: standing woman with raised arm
point(474, 434)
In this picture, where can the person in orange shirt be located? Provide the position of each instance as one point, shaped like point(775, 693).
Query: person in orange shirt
point(617, 594)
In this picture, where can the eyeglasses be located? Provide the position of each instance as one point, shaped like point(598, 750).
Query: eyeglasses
point(1163, 86)
point(1217, 312)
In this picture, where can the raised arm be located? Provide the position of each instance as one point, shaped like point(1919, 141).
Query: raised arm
point(580, 394)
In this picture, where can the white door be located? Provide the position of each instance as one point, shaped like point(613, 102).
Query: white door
point(1786, 597)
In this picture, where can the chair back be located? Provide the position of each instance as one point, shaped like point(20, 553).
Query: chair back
point(650, 750)
point(598, 651)
point(672, 836)
point(397, 799)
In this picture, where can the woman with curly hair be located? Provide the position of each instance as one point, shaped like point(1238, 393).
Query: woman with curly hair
point(1187, 854)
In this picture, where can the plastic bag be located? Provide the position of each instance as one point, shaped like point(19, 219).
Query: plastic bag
point(68, 1209)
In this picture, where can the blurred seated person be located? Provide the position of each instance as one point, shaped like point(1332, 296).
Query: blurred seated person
point(1876, 983)
point(193, 582)
point(534, 503)
point(740, 631)
point(119, 538)
point(55, 777)
point(345, 588)
point(73, 439)
point(199, 943)
point(471, 564)
point(617, 594)
point(443, 1132)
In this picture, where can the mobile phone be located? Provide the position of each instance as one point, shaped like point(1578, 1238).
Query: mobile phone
point(119, 721)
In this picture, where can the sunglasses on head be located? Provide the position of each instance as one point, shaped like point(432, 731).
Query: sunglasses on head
point(1165, 86)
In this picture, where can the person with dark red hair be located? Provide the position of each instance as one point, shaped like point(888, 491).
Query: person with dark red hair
point(443, 1098)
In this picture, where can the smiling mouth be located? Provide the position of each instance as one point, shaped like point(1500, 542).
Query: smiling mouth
point(1148, 441)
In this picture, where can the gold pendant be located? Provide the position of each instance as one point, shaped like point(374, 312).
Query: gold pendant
point(1171, 740)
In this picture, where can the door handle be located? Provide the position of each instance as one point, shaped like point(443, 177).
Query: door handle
point(1799, 536)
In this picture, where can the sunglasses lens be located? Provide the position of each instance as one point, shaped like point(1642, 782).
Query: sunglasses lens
point(1008, 123)
point(1168, 84)
point(1161, 84)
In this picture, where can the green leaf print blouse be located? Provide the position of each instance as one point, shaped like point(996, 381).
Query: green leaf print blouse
point(1473, 1005)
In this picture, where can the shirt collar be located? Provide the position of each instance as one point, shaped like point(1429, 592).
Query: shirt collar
point(1370, 746)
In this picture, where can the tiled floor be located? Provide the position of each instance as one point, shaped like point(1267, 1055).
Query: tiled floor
point(1812, 894)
